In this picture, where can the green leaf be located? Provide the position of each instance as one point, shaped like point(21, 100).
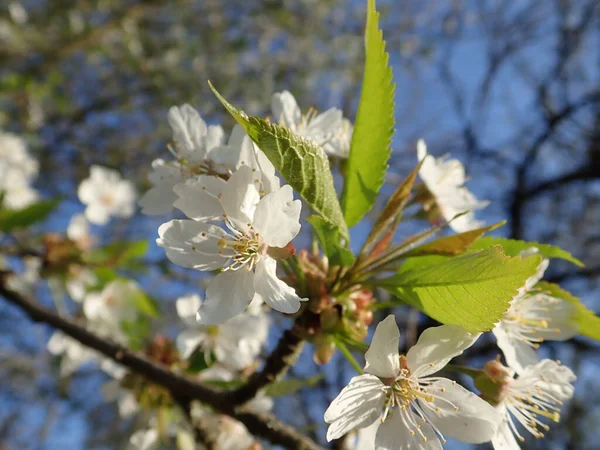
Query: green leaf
point(587, 321)
point(118, 253)
point(290, 386)
point(374, 126)
point(199, 361)
point(145, 304)
point(302, 163)
point(471, 290)
point(454, 244)
point(11, 219)
point(330, 240)
point(513, 247)
point(137, 331)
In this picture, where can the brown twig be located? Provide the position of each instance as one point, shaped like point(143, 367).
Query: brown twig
point(180, 387)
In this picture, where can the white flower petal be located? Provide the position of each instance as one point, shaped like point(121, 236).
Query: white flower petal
point(393, 434)
point(550, 376)
point(227, 295)
point(158, 200)
point(271, 290)
point(192, 244)
point(197, 198)
point(285, 109)
point(436, 347)
point(144, 439)
point(277, 217)
point(188, 129)
point(560, 315)
point(504, 438)
point(517, 352)
point(358, 405)
point(187, 307)
point(240, 198)
point(475, 421)
point(97, 214)
point(328, 120)
point(189, 340)
point(382, 358)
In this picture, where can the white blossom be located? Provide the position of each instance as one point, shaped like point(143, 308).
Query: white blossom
point(106, 310)
point(193, 146)
point(234, 230)
point(200, 150)
point(444, 179)
point(328, 129)
point(236, 343)
point(144, 439)
point(78, 231)
point(17, 171)
point(538, 392)
point(26, 281)
point(533, 316)
point(106, 194)
point(416, 409)
point(74, 355)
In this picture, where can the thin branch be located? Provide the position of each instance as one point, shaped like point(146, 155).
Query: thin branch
point(180, 387)
point(277, 363)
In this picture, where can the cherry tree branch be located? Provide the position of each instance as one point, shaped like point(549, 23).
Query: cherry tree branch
point(277, 363)
point(181, 387)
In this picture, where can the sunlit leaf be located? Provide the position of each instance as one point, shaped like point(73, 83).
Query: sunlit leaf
point(471, 290)
point(513, 247)
point(373, 128)
point(302, 163)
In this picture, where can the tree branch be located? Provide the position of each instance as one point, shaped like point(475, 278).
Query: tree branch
point(179, 386)
point(277, 363)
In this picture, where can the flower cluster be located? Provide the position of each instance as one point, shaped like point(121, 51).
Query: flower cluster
point(241, 221)
point(414, 408)
point(17, 171)
point(398, 404)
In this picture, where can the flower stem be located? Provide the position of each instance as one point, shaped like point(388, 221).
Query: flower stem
point(348, 355)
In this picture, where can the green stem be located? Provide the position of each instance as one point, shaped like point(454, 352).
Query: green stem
point(464, 370)
point(348, 355)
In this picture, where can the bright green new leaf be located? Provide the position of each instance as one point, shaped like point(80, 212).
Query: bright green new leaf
point(330, 240)
point(586, 320)
point(454, 244)
point(513, 247)
point(11, 219)
point(373, 128)
point(471, 290)
point(290, 386)
point(302, 163)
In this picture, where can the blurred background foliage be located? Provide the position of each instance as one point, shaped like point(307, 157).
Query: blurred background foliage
point(510, 88)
